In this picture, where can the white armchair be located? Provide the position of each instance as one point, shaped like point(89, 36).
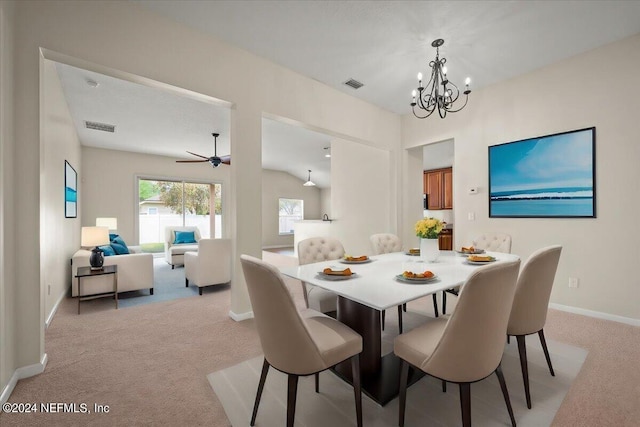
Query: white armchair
point(174, 253)
point(211, 265)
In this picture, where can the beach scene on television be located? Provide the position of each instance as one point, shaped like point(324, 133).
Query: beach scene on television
point(550, 176)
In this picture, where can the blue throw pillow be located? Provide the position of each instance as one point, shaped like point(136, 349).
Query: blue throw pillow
point(119, 246)
point(112, 236)
point(107, 250)
point(184, 237)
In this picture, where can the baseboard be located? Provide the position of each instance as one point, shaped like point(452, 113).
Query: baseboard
point(242, 316)
point(21, 373)
point(55, 307)
point(596, 314)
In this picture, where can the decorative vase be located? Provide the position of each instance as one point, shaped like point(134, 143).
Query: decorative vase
point(429, 250)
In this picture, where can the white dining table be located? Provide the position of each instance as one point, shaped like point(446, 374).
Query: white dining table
point(374, 287)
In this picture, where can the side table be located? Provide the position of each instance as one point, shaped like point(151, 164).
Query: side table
point(85, 272)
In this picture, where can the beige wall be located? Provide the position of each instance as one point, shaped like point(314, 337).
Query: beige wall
point(8, 314)
point(123, 36)
point(59, 236)
point(109, 185)
point(325, 202)
point(572, 94)
point(276, 184)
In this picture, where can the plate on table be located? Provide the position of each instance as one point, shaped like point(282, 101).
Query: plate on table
point(355, 260)
point(413, 252)
point(334, 277)
point(467, 252)
point(480, 262)
point(415, 280)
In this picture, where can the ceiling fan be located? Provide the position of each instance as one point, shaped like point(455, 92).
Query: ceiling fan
point(214, 160)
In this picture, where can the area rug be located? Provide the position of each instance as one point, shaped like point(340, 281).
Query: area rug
point(236, 388)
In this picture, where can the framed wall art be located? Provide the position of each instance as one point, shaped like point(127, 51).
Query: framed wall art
point(551, 176)
point(70, 191)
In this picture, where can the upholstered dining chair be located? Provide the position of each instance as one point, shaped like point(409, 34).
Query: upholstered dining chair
point(295, 343)
point(211, 265)
point(490, 241)
point(530, 305)
point(384, 243)
point(316, 249)
point(468, 346)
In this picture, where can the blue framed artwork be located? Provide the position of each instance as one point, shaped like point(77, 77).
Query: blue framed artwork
point(551, 176)
point(70, 191)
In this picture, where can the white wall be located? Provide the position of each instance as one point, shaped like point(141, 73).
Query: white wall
point(59, 236)
point(277, 184)
point(325, 201)
point(109, 186)
point(122, 36)
point(598, 89)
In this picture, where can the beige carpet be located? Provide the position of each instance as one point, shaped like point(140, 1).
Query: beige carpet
point(426, 404)
point(150, 364)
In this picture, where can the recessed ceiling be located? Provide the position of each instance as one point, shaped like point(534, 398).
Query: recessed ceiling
point(384, 44)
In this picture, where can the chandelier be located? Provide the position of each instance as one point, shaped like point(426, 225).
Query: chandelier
point(439, 93)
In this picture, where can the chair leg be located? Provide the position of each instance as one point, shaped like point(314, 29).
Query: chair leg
point(292, 391)
point(357, 390)
point(404, 307)
point(444, 302)
point(402, 403)
point(400, 318)
point(200, 290)
point(435, 304)
point(508, 339)
point(317, 382)
point(263, 378)
point(383, 315)
point(546, 351)
point(173, 266)
point(444, 386)
point(150, 291)
point(465, 403)
point(505, 393)
point(186, 282)
point(522, 349)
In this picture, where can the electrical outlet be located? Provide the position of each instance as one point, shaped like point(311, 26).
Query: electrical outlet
point(573, 282)
point(471, 216)
point(48, 289)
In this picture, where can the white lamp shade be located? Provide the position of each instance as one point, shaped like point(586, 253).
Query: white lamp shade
point(110, 223)
point(94, 236)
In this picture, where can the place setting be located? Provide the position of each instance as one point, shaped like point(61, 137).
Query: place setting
point(424, 277)
point(469, 251)
point(348, 259)
point(336, 274)
point(480, 259)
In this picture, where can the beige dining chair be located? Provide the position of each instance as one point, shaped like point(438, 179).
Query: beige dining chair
point(317, 249)
point(468, 346)
point(530, 305)
point(295, 343)
point(491, 241)
point(384, 243)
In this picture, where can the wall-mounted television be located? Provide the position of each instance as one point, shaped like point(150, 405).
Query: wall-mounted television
point(551, 176)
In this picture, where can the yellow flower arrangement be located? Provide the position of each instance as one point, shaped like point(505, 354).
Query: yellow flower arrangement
point(429, 228)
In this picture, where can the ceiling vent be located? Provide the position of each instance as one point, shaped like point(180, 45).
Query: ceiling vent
point(354, 84)
point(100, 126)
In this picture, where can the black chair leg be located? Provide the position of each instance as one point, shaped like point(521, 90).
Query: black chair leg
point(444, 302)
point(200, 290)
point(435, 304)
point(465, 403)
point(150, 291)
point(383, 315)
point(292, 391)
point(400, 318)
point(263, 378)
point(357, 390)
point(186, 282)
point(546, 351)
point(404, 307)
point(444, 386)
point(317, 382)
point(402, 403)
point(522, 349)
point(505, 393)
point(508, 339)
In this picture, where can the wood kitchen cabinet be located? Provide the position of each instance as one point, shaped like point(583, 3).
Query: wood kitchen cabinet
point(438, 186)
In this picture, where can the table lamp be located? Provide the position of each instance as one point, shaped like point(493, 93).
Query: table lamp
point(110, 223)
point(95, 236)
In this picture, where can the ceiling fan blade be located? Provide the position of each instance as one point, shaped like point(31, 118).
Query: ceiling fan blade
point(191, 161)
point(226, 159)
point(199, 155)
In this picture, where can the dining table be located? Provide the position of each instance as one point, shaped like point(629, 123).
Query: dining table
point(377, 284)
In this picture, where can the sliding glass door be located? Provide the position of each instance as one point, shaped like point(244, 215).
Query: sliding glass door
point(165, 203)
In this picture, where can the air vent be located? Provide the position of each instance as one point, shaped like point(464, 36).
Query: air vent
point(354, 84)
point(100, 126)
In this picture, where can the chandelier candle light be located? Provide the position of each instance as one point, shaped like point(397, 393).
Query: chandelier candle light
point(439, 93)
point(428, 230)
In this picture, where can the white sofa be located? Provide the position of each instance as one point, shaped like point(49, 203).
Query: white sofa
point(174, 253)
point(211, 265)
point(135, 272)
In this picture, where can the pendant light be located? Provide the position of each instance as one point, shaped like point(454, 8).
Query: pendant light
point(309, 183)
